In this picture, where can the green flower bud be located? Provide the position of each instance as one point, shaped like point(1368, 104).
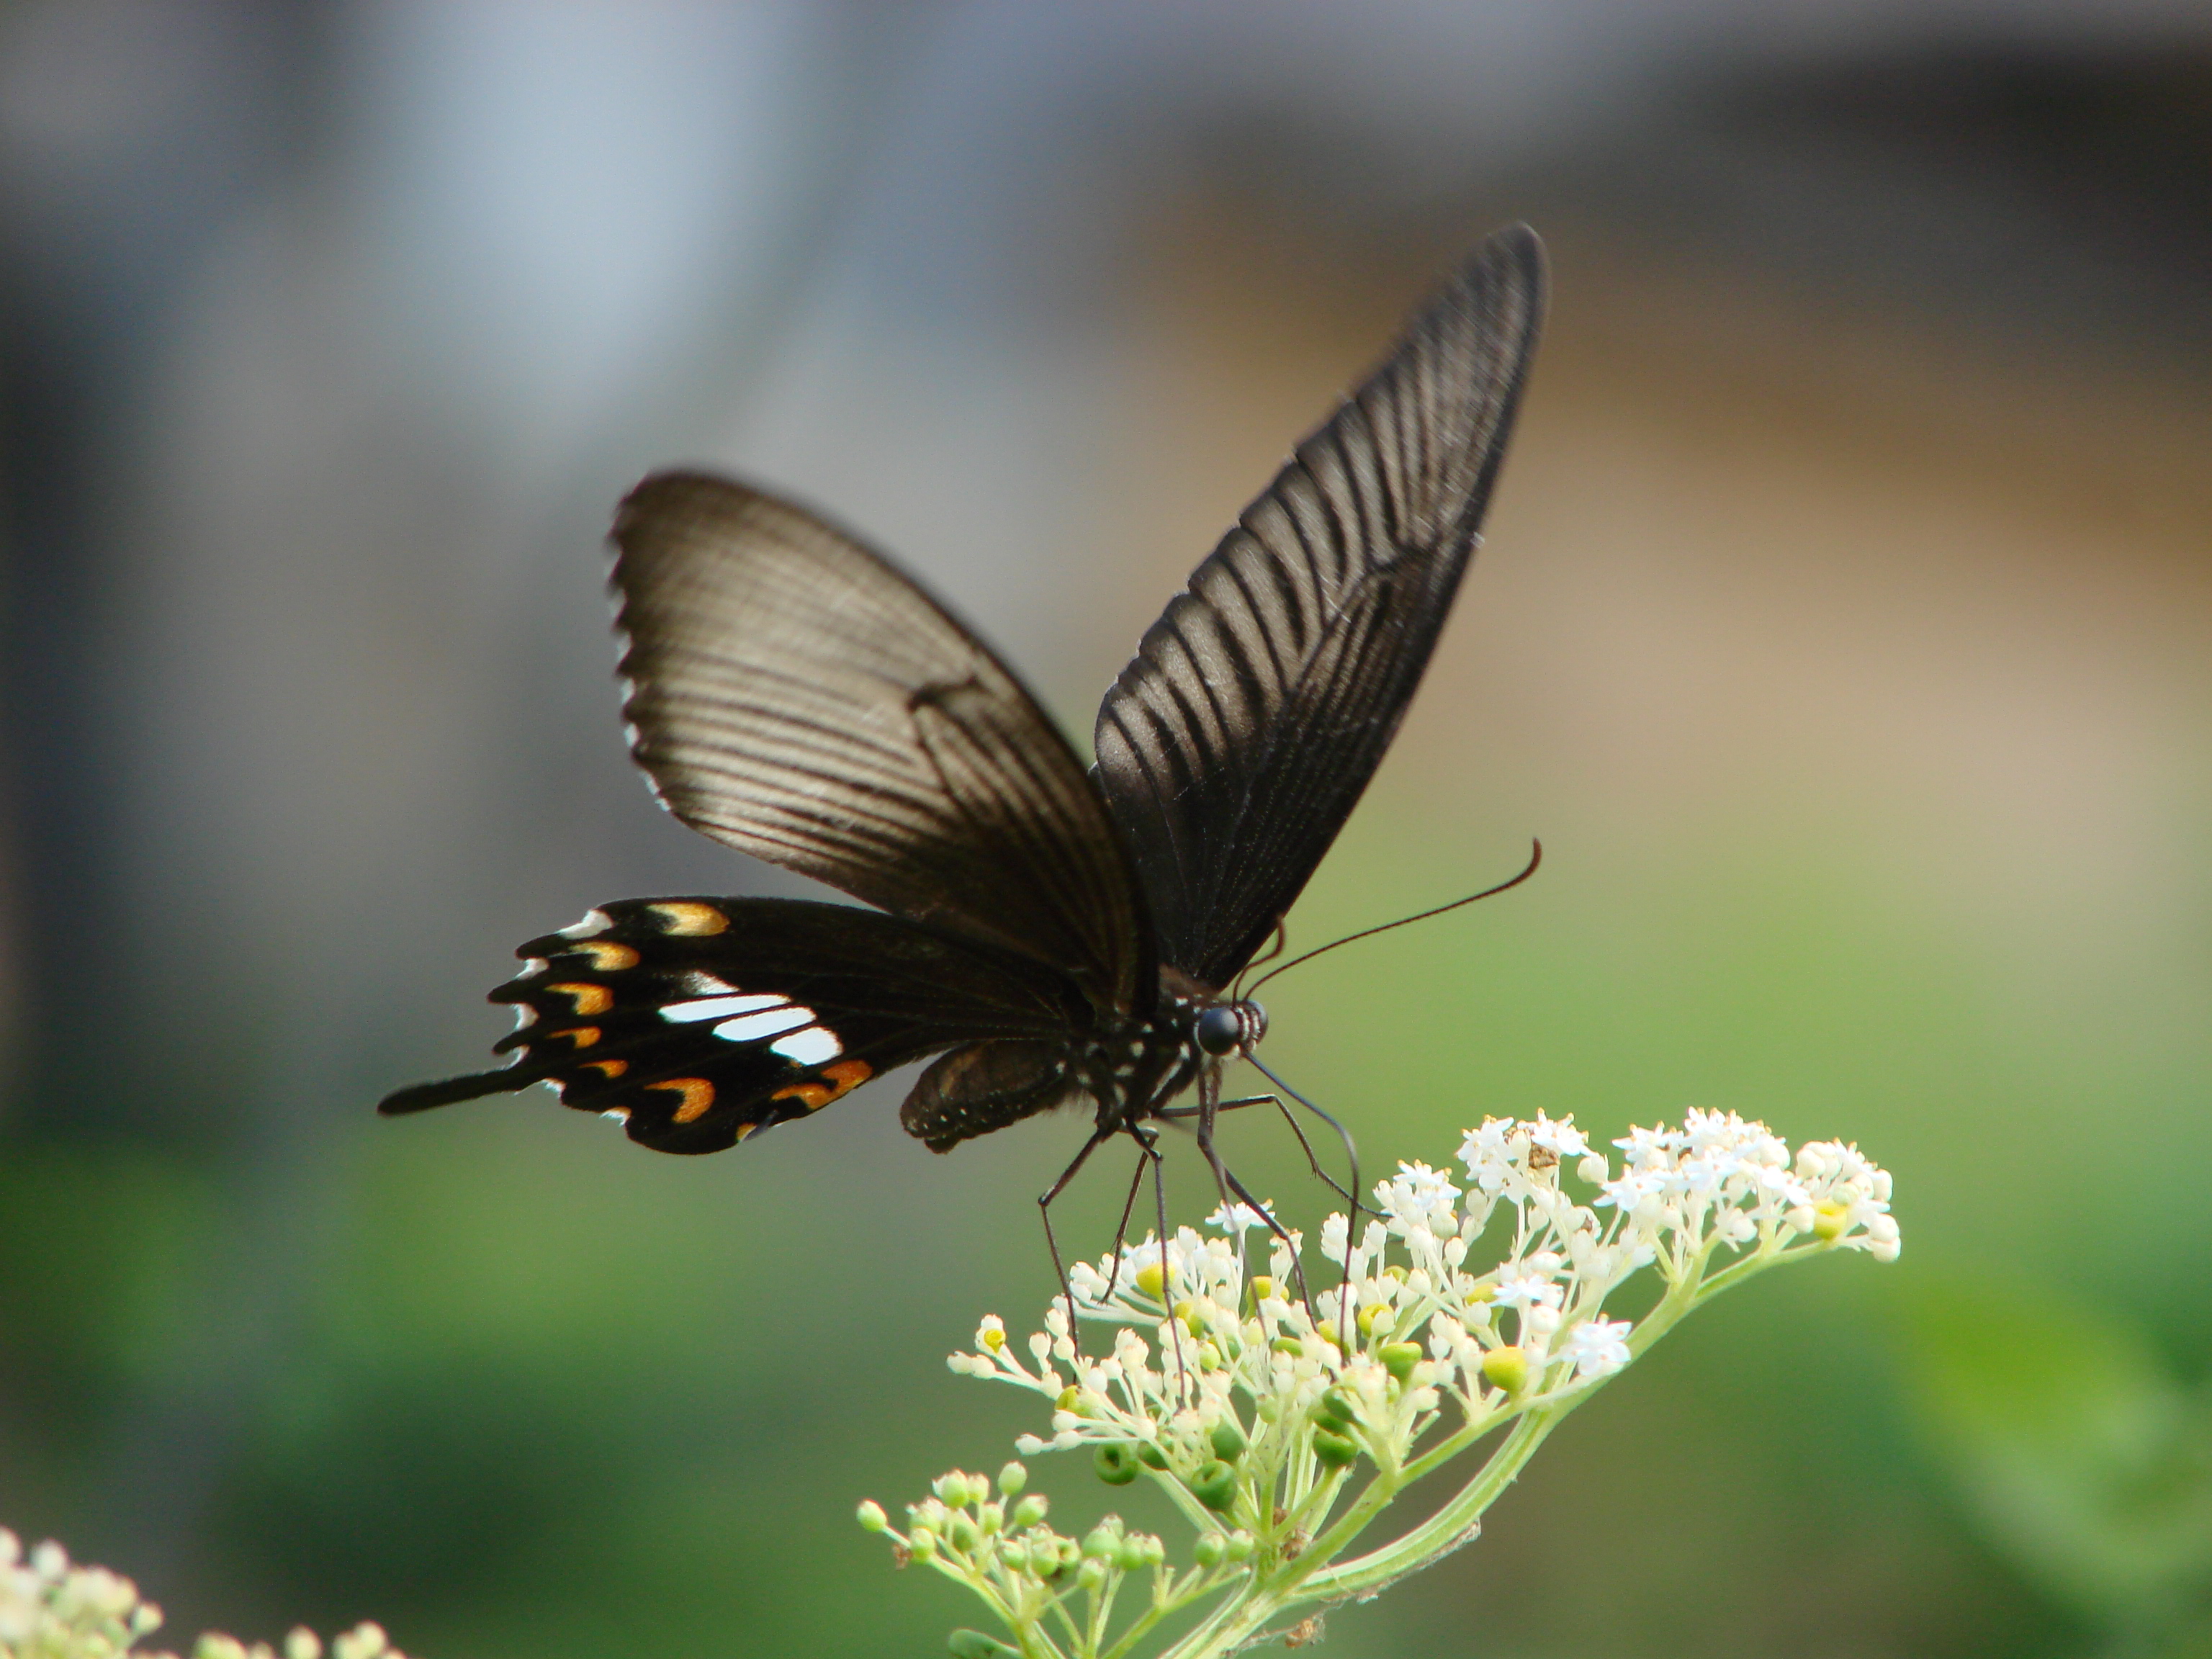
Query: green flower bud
point(963, 1535)
point(1069, 1397)
point(1335, 1409)
point(951, 1488)
point(1131, 1556)
point(1241, 1545)
point(1102, 1542)
point(1228, 1440)
point(1292, 1345)
point(992, 1517)
point(973, 1644)
point(1014, 1557)
point(1214, 1485)
point(1091, 1575)
point(1156, 1552)
point(1399, 1359)
point(1831, 1221)
point(1209, 1357)
point(1070, 1553)
point(1151, 1279)
point(1151, 1454)
point(1267, 1411)
point(1209, 1549)
point(1333, 1450)
point(1013, 1479)
point(871, 1517)
point(1262, 1288)
point(1506, 1368)
point(921, 1544)
point(1116, 1464)
point(1030, 1510)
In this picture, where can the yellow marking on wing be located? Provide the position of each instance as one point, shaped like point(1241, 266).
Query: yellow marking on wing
point(689, 920)
point(843, 1077)
point(611, 1067)
point(607, 956)
point(590, 999)
point(582, 1036)
point(744, 1129)
point(698, 1095)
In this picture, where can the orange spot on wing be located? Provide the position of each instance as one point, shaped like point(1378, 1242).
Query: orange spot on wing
point(590, 999)
point(611, 1067)
point(607, 956)
point(582, 1036)
point(841, 1079)
point(698, 1095)
point(687, 918)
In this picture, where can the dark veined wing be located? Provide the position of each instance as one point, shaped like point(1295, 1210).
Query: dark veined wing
point(698, 1021)
point(1235, 743)
point(792, 695)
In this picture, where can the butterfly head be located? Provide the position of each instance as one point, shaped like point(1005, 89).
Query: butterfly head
point(1229, 1028)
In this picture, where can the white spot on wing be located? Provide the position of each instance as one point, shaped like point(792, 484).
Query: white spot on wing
point(593, 922)
point(753, 1027)
point(530, 966)
point(683, 1013)
point(523, 1014)
point(810, 1046)
point(616, 1114)
point(706, 985)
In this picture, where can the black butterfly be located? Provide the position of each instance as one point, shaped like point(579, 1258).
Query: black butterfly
point(1053, 937)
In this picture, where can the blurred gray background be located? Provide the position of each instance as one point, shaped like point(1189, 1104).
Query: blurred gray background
point(1844, 630)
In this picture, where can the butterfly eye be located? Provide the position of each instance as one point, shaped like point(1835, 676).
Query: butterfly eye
point(1219, 1030)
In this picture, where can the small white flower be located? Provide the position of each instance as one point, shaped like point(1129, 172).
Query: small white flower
point(1236, 1217)
point(1526, 1291)
point(1418, 1196)
point(1598, 1347)
point(1561, 1139)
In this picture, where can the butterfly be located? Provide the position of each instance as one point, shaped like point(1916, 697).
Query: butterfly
point(1053, 936)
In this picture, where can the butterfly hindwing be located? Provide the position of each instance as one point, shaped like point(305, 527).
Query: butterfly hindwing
point(697, 1022)
point(794, 695)
point(1235, 744)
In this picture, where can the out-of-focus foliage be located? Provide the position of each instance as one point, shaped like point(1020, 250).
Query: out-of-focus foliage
point(2082, 1457)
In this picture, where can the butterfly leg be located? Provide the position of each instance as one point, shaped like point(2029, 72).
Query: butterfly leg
point(1351, 1159)
point(1145, 1157)
point(1150, 1140)
point(1305, 1146)
point(1044, 1211)
point(1225, 1182)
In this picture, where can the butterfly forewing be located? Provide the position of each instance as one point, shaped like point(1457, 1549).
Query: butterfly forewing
point(698, 1021)
point(795, 696)
point(1235, 743)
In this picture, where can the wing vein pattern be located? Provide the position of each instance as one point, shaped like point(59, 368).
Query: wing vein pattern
point(795, 696)
point(1239, 737)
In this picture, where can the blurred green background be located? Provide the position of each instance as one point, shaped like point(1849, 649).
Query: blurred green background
point(1845, 631)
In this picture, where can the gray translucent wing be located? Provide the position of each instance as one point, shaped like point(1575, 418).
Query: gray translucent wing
point(1235, 743)
point(795, 696)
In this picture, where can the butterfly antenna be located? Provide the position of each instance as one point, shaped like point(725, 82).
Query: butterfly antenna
point(1351, 1159)
point(1535, 858)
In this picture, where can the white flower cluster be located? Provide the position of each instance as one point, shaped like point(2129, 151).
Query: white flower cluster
point(1251, 1396)
point(50, 1608)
